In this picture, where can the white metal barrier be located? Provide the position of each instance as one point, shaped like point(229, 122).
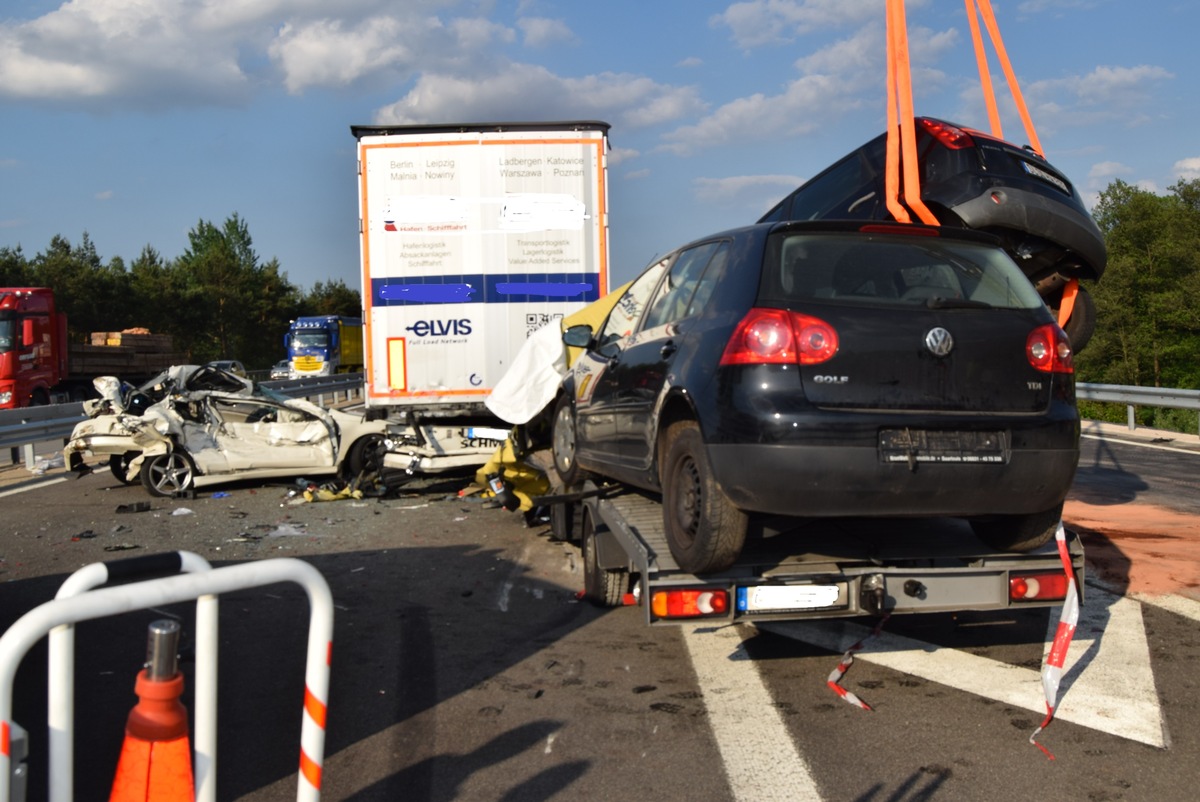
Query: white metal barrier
point(76, 602)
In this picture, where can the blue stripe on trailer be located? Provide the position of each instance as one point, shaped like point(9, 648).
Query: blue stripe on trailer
point(501, 288)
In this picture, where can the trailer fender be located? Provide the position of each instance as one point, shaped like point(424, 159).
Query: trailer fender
point(610, 555)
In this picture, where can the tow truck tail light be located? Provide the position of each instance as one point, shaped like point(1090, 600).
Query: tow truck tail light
point(689, 603)
point(1037, 587)
point(951, 136)
point(1049, 350)
point(780, 337)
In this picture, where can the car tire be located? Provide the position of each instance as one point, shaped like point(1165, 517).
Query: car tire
point(601, 586)
point(168, 474)
point(1081, 325)
point(364, 456)
point(1019, 533)
point(563, 443)
point(119, 465)
point(704, 530)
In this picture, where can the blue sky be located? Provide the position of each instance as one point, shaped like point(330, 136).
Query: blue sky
point(132, 120)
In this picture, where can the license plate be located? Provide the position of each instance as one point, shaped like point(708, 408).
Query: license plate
point(1045, 176)
point(919, 445)
point(766, 598)
point(486, 433)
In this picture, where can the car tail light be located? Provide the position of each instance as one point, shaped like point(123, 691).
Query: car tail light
point(780, 337)
point(1037, 587)
point(951, 136)
point(689, 603)
point(1049, 350)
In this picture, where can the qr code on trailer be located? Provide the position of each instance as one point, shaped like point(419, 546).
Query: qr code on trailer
point(535, 320)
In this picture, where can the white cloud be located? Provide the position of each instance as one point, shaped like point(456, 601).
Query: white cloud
point(1103, 170)
point(104, 195)
point(690, 61)
point(531, 92)
point(761, 22)
point(834, 79)
point(618, 155)
point(804, 104)
point(330, 53)
point(1188, 169)
point(540, 31)
point(1105, 95)
point(106, 54)
point(735, 188)
point(88, 50)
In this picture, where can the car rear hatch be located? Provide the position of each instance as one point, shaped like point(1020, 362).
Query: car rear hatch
point(923, 322)
point(921, 359)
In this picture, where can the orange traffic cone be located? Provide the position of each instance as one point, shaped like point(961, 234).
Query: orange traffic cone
point(156, 758)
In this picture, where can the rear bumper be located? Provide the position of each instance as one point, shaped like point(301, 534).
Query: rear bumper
point(1039, 216)
point(824, 481)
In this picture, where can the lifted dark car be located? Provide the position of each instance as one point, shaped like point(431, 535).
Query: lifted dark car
point(973, 180)
point(827, 370)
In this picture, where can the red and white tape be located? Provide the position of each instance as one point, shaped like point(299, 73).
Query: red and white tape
point(1052, 671)
point(843, 666)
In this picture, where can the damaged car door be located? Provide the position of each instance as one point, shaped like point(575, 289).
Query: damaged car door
point(255, 433)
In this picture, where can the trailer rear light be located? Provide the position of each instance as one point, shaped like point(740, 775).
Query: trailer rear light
point(780, 337)
point(1049, 350)
point(1037, 587)
point(693, 603)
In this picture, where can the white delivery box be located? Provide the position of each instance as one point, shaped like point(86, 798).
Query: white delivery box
point(472, 237)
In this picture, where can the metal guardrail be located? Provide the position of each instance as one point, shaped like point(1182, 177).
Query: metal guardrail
point(1134, 397)
point(22, 429)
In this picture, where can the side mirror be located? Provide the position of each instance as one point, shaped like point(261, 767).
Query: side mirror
point(579, 336)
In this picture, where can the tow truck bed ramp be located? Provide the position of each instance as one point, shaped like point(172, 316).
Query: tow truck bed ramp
point(816, 568)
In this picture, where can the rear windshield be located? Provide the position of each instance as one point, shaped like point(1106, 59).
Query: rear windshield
point(858, 268)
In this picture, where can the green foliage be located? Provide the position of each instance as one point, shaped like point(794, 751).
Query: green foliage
point(216, 300)
point(1148, 301)
point(333, 298)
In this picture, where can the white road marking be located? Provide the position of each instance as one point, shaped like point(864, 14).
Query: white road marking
point(47, 483)
point(1108, 685)
point(745, 723)
point(1180, 605)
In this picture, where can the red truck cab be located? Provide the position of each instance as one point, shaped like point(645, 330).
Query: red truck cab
point(32, 346)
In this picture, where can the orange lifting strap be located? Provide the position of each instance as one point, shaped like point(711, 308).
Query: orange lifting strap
point(901, 133)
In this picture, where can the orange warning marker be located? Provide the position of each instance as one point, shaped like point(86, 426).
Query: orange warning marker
point(156, 758)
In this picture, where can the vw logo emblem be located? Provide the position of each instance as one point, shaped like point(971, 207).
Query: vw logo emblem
point(939, 341)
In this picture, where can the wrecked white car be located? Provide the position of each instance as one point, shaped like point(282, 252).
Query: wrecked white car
point(193, 427)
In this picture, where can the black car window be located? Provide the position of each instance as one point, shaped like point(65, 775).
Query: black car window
point(708, 282)
point(623, 319)
point(902, 270)
point(674, 294)
point(846, 191)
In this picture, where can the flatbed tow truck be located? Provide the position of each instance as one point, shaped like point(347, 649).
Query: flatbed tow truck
point(801, 569)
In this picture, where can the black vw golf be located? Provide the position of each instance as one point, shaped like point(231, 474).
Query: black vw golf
point(824, 370)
